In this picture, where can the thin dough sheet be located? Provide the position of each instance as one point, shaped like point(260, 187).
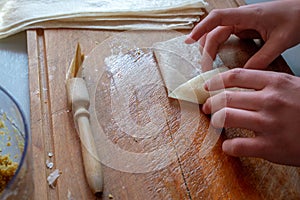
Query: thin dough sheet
point(16, 16)
point(179, 62)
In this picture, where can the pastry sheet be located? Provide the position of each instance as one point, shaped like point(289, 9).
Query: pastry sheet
point(18, 15)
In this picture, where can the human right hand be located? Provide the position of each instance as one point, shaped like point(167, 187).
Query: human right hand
point(271, 109)
point(277, 23)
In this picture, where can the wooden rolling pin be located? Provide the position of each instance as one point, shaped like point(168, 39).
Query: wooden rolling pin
point(79, 102)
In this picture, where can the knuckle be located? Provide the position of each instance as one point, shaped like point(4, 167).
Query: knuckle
point(258, 14)
point(258, 11)
point(268, 123)
point(234, 74)
point(228, 98)
point(281, 79)
point(264, 122)
point(236, 147)
point(273, 100)
point(216, 13)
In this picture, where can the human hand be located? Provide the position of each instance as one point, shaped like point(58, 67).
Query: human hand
point(277, 23)
point(271, 110)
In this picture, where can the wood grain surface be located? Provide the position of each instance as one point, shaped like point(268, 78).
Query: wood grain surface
point(188, 176)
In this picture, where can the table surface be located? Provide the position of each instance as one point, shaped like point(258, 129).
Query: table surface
point(14, 65)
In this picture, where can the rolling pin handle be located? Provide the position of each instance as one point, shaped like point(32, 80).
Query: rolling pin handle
point(78, 99)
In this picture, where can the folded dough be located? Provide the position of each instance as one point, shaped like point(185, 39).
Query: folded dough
point(193, 90)
point(180, 67)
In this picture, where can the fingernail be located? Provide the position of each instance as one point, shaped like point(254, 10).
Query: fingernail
point(189, 40)
point(205, 109)
point(225, 147)
point(205, 85)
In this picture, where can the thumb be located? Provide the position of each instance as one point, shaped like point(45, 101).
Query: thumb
point(268, 52)
point(249, 147)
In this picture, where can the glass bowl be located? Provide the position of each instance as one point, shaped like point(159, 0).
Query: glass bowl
point(15, 154)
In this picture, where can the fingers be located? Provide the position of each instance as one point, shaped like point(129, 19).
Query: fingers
point(238, 77)
point(268, 52)
point(213, 40)
point(235, 113)
point(237, 118)
point(253, 147)
point(246, 100)
point(223, 17)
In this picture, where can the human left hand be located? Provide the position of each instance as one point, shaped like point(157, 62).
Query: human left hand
point(275, 22)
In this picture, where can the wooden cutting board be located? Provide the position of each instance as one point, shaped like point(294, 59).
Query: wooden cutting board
point(216, 176)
